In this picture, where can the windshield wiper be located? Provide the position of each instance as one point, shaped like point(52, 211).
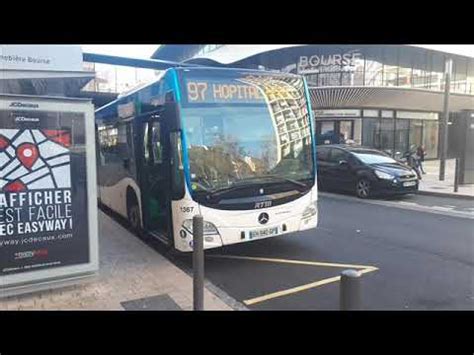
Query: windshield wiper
point(277, 178)
point(218, 192)
point(248, 182)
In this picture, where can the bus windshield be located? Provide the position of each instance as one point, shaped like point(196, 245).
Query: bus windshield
point(246, 130)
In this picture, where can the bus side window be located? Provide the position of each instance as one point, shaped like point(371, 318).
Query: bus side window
point(108, 142)
point(156, 144)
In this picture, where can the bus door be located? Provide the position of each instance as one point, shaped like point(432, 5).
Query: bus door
point(155, 175)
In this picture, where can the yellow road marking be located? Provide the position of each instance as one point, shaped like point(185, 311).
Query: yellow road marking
point(363, 269)
point(291, 261)
point(300, 288)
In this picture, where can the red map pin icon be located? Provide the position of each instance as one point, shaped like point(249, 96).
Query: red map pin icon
point(27, 154)
point(4, 143)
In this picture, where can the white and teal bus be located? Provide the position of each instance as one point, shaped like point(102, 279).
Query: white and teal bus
point(234, 145)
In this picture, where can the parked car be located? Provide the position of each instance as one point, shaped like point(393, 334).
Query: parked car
point(365, 171)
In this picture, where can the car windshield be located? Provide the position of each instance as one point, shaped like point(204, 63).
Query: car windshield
point(235, 144)
point(374, 158)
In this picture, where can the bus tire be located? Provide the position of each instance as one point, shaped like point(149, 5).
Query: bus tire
point(133, 212)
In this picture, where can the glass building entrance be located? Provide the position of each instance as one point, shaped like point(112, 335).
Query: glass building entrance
point(334, 131)
point(395, 132)
point(397, 136)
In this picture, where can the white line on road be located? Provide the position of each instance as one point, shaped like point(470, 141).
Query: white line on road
point(441, 210)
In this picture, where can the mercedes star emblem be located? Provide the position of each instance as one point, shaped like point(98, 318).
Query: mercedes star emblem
point(263, 218)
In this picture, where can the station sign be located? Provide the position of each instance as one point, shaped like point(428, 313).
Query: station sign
point(41, 57)
point(318, 62)
point(337, 113)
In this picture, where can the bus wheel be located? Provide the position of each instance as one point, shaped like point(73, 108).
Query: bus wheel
point(133, 213)
point(363, 188)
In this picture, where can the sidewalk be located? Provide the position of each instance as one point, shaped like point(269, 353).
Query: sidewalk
point(430, 181)
point(129, 272)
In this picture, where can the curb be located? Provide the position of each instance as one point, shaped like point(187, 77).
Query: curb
point(159, 247)
point(445, 194)
point(211, 287)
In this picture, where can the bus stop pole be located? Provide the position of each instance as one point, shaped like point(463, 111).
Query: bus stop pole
point(350, 299)
point(198, 263)
point(456, 175)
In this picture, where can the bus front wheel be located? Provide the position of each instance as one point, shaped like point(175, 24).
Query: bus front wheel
point(133, 214)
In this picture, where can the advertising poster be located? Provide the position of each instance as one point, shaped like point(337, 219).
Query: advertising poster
point(43, 191)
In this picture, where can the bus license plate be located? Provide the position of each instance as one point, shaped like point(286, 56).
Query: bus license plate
point(409, 183)
point(263, 232)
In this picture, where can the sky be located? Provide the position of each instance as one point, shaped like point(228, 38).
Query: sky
point(467, 50)
point(145, 51)
point(122, 50)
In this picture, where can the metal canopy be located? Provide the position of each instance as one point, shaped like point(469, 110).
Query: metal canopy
point(133, 62)
point(30, 82)
point(386, 97)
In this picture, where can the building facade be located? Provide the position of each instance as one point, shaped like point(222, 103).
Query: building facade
point(388, 97)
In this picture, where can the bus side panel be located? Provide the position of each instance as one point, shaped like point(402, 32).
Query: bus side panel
point(117, 166)
point(115, 196)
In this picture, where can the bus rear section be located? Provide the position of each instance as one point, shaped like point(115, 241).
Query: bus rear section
point(235, 146)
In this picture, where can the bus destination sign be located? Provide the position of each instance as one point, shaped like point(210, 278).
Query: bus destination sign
point(230, 91)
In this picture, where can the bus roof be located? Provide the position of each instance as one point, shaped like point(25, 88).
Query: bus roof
point(125, 98)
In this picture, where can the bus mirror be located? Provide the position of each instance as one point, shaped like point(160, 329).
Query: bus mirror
point(177, 170)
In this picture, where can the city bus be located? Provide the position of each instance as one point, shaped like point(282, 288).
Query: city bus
point(233, 145)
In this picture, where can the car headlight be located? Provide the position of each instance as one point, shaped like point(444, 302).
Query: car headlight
point(310, 211)
point(382, 175)
point(208, 227)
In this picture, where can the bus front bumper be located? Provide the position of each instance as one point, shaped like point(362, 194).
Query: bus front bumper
point(234, 235)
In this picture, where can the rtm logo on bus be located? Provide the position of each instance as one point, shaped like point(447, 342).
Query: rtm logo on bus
point(263, 204)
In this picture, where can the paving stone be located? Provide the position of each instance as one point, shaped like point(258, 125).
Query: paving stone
point(130, 271)
point(156, 303)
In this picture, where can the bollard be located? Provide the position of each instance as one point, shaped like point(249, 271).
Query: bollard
point(456, 175)
point(198, 263)
point(350, 290)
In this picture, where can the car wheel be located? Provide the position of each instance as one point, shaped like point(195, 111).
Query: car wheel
point(363, 189)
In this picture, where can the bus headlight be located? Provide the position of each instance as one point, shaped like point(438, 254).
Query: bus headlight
point(310, 211)
point(208, 227)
